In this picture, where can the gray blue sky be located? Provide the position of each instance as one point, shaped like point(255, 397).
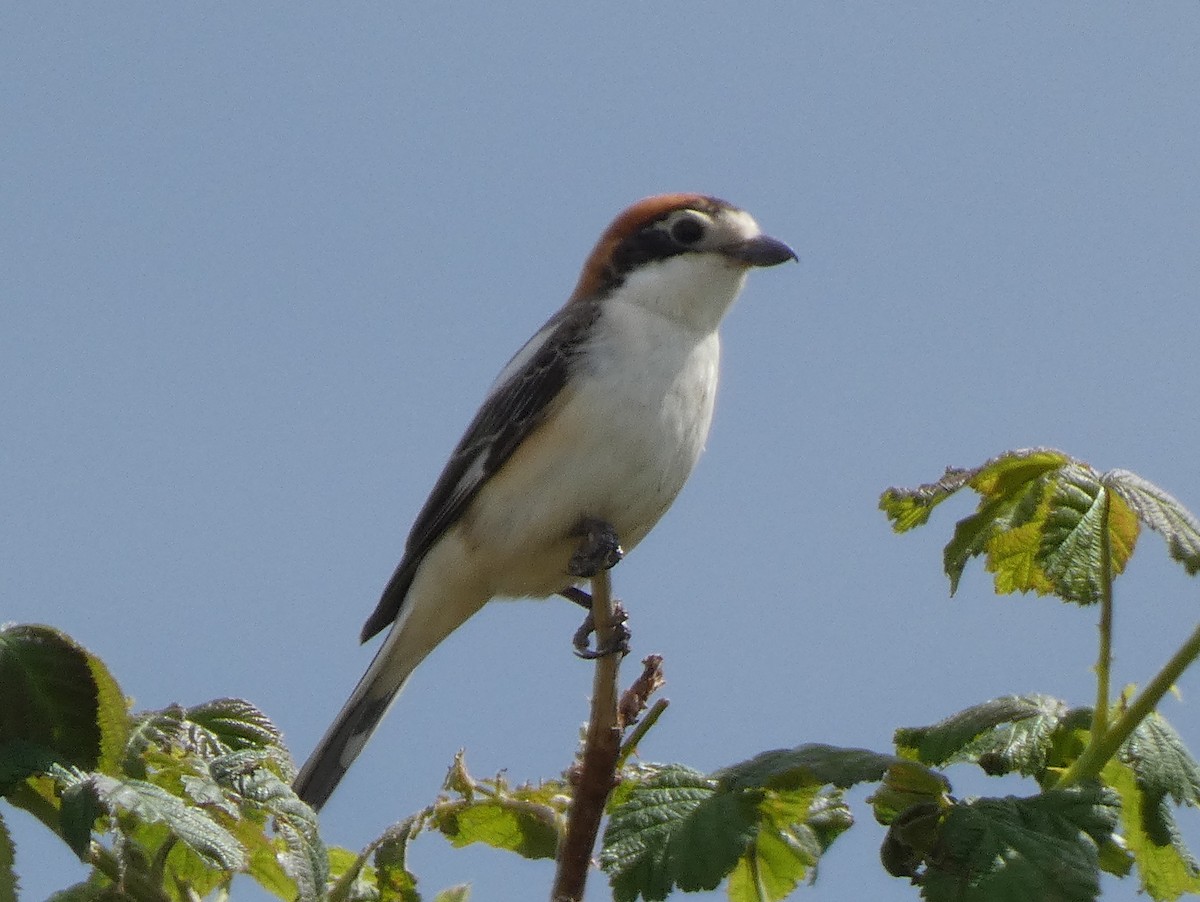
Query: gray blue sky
point(258, 264)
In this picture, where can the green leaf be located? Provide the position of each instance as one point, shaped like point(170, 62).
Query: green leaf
point(527, 820)
point(907, 785)
point(1162, 513)
point(764, 822)
point(91, 891)
point(234, 725)
point(112, 716)
point(393, 879)
point(910, 508)
point(1007, 473)
point(263, 863)
point(1166, 870)
point(252, 776)
point(813, 764)
point(798, 826)
point(1004, 475)
point(503, 823)
point(1071, 542)
point(1013, 490)
point(20, 760)
point(911, 838)
point(208, 730)
point(1012, 733)
point(8, 876)
point(389, 879)
point(1040, 523)
point(460, 893)
point(48, 694)
point(303, 857)
point(146, 803)
point(676, 830)
point(1041, 847)
point(1164, 769)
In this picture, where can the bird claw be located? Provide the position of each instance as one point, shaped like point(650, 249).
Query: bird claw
point(599, 550)
point(620, 640)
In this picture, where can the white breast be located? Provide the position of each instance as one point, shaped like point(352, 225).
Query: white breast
point(618, 447)
point(653, 384)
point(623, 437)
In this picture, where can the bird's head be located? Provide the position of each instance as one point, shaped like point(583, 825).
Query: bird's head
point(683, 255)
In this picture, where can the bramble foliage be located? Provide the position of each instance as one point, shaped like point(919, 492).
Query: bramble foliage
point(172, 805)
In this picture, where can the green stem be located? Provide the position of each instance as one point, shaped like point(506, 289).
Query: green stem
point(1097, 754)
point(631, 744)
point(1104, 656)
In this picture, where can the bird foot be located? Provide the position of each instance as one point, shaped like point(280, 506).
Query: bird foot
point(599, 550)
point(620, 640)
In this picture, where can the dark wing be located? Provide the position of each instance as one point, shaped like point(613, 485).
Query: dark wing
point(514, 409)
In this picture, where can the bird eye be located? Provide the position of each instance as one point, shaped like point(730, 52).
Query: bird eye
point(687, 230)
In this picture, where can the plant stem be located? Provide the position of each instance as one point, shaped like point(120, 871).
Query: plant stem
point(598, 763)
point(1096, 755)
point(630, 745)
point(1104, 656)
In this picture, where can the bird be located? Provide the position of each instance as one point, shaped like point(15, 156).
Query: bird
point(592, 427)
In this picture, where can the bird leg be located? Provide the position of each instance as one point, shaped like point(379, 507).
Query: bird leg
point(577, 595)
point(621, 634)
point(599, 550)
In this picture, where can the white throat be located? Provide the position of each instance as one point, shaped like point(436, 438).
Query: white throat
point(693, 290)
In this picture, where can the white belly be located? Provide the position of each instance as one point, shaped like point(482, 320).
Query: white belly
point(618, 447)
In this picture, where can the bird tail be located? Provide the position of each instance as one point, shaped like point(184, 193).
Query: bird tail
point(354, 724)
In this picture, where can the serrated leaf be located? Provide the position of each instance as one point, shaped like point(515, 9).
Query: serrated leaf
point(392, 876)
point(1072, 540)
point(1040, 522)
point(1012, 733)
point(798, 826)
point(20, 760)
point(907, 785)
point(1162, 513)
point(1014, 560)
point(642, 839)
point(390, 851)
point(252, 776)
point(527, 820)
point(1006, 473)
point(1165, 769)
point(708, 843)
point(8, 876)
point(911, 838)
point(1005, 525)
point(80, 809)
point(910, 508)
point(1041, 847)
point(770, 869)
point(1166, 869)
point(763, 822)
point(303, 858)
point(262, 860)
point(812, 764)
point(503, 824)
point(112, 716)
point(235, 724)
point(149, 730)
point(48, 695)
point(460, 893)
point(90, 891)
point(150, 804)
